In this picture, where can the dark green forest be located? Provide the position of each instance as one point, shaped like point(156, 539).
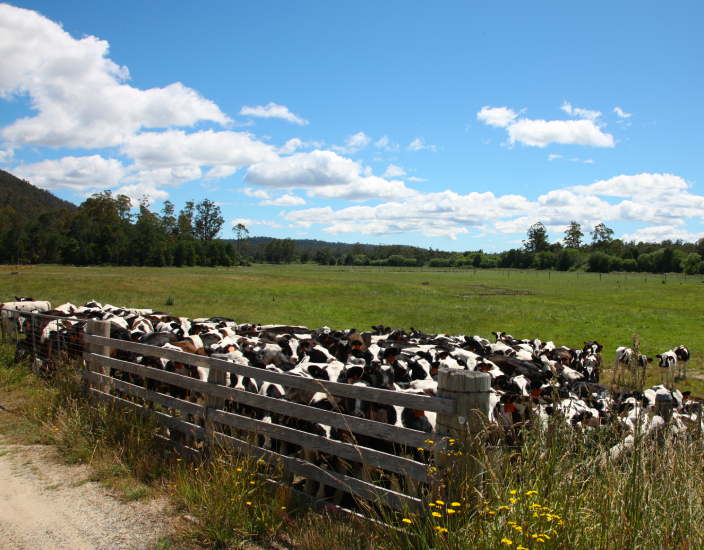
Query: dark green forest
point(37, 227)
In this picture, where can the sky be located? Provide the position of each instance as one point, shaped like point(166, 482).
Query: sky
point(453, 125)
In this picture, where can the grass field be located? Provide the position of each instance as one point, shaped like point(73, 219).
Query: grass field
point(566, 308)
point(652, 499)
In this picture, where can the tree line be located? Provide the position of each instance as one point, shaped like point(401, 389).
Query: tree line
point(104, 229)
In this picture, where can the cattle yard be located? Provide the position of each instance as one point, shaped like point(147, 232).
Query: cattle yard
point(353, 416)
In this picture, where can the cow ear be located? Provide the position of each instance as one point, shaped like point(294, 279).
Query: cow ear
point(659, 356)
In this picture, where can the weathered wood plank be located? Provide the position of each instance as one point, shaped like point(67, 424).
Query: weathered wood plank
point(375, 395)
point(396, 434)
point(149, 395)
point(304, 469)
point(156, 374)
point(153, 351)
point(433, 404)
point(167, 420)
point(391, 463)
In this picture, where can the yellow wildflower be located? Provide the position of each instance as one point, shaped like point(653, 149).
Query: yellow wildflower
point(504, 508)
point(506, 542)
point(512, 492)
point(406, 520)
point(249, 504)
point(512, 500)
point(440, 502)
point(517, 528)
point(545, 536)
point(437, 515)
point(455, 504)
point(431, 504)
point(531, 493)
point(451, 511)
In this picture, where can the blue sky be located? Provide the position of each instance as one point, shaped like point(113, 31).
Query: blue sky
point(451, 125)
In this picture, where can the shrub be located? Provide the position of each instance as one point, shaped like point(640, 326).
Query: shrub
point(599, 262)
point(630, 265)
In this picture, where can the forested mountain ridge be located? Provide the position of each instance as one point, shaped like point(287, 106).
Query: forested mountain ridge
point(25, 198)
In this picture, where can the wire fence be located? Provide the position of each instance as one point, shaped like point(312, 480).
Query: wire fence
point(46, 340)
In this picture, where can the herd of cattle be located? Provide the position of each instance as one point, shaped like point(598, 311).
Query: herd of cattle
point(529, 378)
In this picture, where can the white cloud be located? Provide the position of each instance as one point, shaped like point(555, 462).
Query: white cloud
point(581, 113)
point(577, 159)
point(620, 113)
point(204, 148)
point(394, 171)
point(285, 200)
point(6, 155)
point(290, 147)
point(553, 157)
point(499, 117)
point(641, 188)
point(419, 143)
point(218, 172)
point(272, 110)
point(353, 143)
point(166, 177)
point(256, 193)
point(78, 92)
point(76, 173)
point(248, 222)
point(661, 233)
point(137, 191)
point(414, 178)
point(662, 200)
point(540, 133)
point(324, 174)
point(386, 144)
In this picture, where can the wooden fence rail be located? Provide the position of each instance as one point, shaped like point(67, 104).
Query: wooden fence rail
point(214, 394)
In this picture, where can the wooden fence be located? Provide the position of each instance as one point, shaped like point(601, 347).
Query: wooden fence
point(467, 392)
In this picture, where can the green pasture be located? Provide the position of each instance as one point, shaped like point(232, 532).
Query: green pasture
point(567, 308)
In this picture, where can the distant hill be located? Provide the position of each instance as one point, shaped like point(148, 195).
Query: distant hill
point(303, 243)
point(27, 199)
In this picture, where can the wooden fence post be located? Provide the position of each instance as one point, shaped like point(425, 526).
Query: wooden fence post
point(215, 376)
point(470, 391)
point(98, 328)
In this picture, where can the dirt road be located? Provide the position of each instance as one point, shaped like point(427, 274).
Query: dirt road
point(45, 505)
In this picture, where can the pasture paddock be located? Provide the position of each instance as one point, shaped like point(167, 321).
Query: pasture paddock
point(566, 308)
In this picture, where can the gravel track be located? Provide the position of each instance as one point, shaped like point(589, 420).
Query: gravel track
point(47, 505)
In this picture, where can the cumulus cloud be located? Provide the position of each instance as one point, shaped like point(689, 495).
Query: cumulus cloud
point(6, 155)
point(166, 177)
point(80, 94)
point(138, 191)
point(205, 148)
point(353, 143)
point(419, 144)
point(285, 200)
point(499, 117)
point(256, 193)
point(664, 203)
point(414, 178)
point(661, 233)
point(641, 188)
point(394, 171)
point(620, 113)
point(324, 174)
point(272, 110)
point(540, 133)
point(75, 173)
